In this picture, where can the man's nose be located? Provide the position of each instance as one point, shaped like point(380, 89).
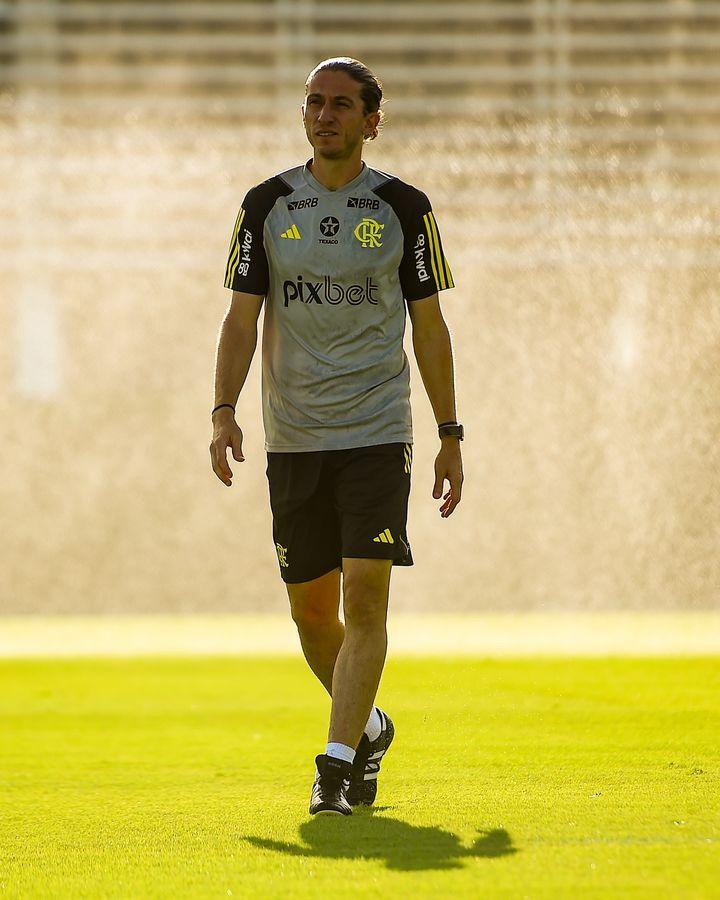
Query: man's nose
point(325, 114)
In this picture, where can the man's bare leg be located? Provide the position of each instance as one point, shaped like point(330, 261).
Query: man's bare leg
point(314, 606)
point(359, 664)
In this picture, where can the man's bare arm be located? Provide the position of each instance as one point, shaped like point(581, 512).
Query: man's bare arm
point(236, 347)
point(235, 350)
point(433, 352)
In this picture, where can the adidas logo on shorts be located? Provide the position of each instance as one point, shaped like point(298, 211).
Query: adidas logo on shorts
point(385, 537)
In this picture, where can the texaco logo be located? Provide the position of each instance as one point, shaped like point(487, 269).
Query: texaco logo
point(329, 226)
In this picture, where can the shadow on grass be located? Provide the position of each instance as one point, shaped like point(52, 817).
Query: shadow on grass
point(401, 846)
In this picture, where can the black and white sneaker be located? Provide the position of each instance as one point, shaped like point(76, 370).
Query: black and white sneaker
point(330, 786)
point(363, 778)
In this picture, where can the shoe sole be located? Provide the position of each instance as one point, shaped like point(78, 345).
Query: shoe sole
point(328, 812)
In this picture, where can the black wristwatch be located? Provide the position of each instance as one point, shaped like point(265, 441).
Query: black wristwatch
point(451, 429)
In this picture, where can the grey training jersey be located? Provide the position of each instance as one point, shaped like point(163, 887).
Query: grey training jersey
point(336, 268)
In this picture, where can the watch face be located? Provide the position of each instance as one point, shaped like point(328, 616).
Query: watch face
point(452, 431)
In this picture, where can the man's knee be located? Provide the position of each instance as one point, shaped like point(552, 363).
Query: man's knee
point(365, 592)
point(314, 604)
point(313, 619)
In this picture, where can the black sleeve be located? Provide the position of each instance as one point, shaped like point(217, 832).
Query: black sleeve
point(423, 269)
point(247, 265)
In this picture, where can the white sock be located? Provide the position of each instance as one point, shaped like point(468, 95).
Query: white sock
point(374, 725)
point(340, 751)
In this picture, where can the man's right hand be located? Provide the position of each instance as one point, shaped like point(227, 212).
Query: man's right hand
point(226, 433)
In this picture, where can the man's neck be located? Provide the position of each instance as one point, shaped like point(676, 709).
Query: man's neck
point(335, 173)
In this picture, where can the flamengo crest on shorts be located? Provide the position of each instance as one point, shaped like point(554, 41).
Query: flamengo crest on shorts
point(282, 555)
point(408, 457)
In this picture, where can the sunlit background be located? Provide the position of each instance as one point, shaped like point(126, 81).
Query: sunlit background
point(570, 149)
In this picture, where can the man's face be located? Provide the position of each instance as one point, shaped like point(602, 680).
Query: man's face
point(333, 104)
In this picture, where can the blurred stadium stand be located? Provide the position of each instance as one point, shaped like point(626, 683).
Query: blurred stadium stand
point(549, 96)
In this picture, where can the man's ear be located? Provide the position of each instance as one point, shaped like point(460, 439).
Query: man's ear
point(373, 120)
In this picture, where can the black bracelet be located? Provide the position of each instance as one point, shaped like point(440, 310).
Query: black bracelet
point(446, 423)
point(220, 406)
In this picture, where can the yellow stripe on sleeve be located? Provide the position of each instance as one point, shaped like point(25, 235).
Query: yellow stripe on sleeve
point(238, 220)
point(448, 273)
point(234, 252)
point(446, 280)
point(431, 245)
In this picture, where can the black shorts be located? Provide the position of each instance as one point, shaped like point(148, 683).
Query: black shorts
point(327, 504)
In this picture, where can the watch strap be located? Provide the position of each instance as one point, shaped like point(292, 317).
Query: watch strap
point(451, 429)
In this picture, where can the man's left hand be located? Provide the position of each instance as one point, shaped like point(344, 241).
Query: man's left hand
point(448, 465)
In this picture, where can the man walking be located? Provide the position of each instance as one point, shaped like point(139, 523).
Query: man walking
point(336, 249)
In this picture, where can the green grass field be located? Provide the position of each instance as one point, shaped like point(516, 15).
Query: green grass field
point(508, 778)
